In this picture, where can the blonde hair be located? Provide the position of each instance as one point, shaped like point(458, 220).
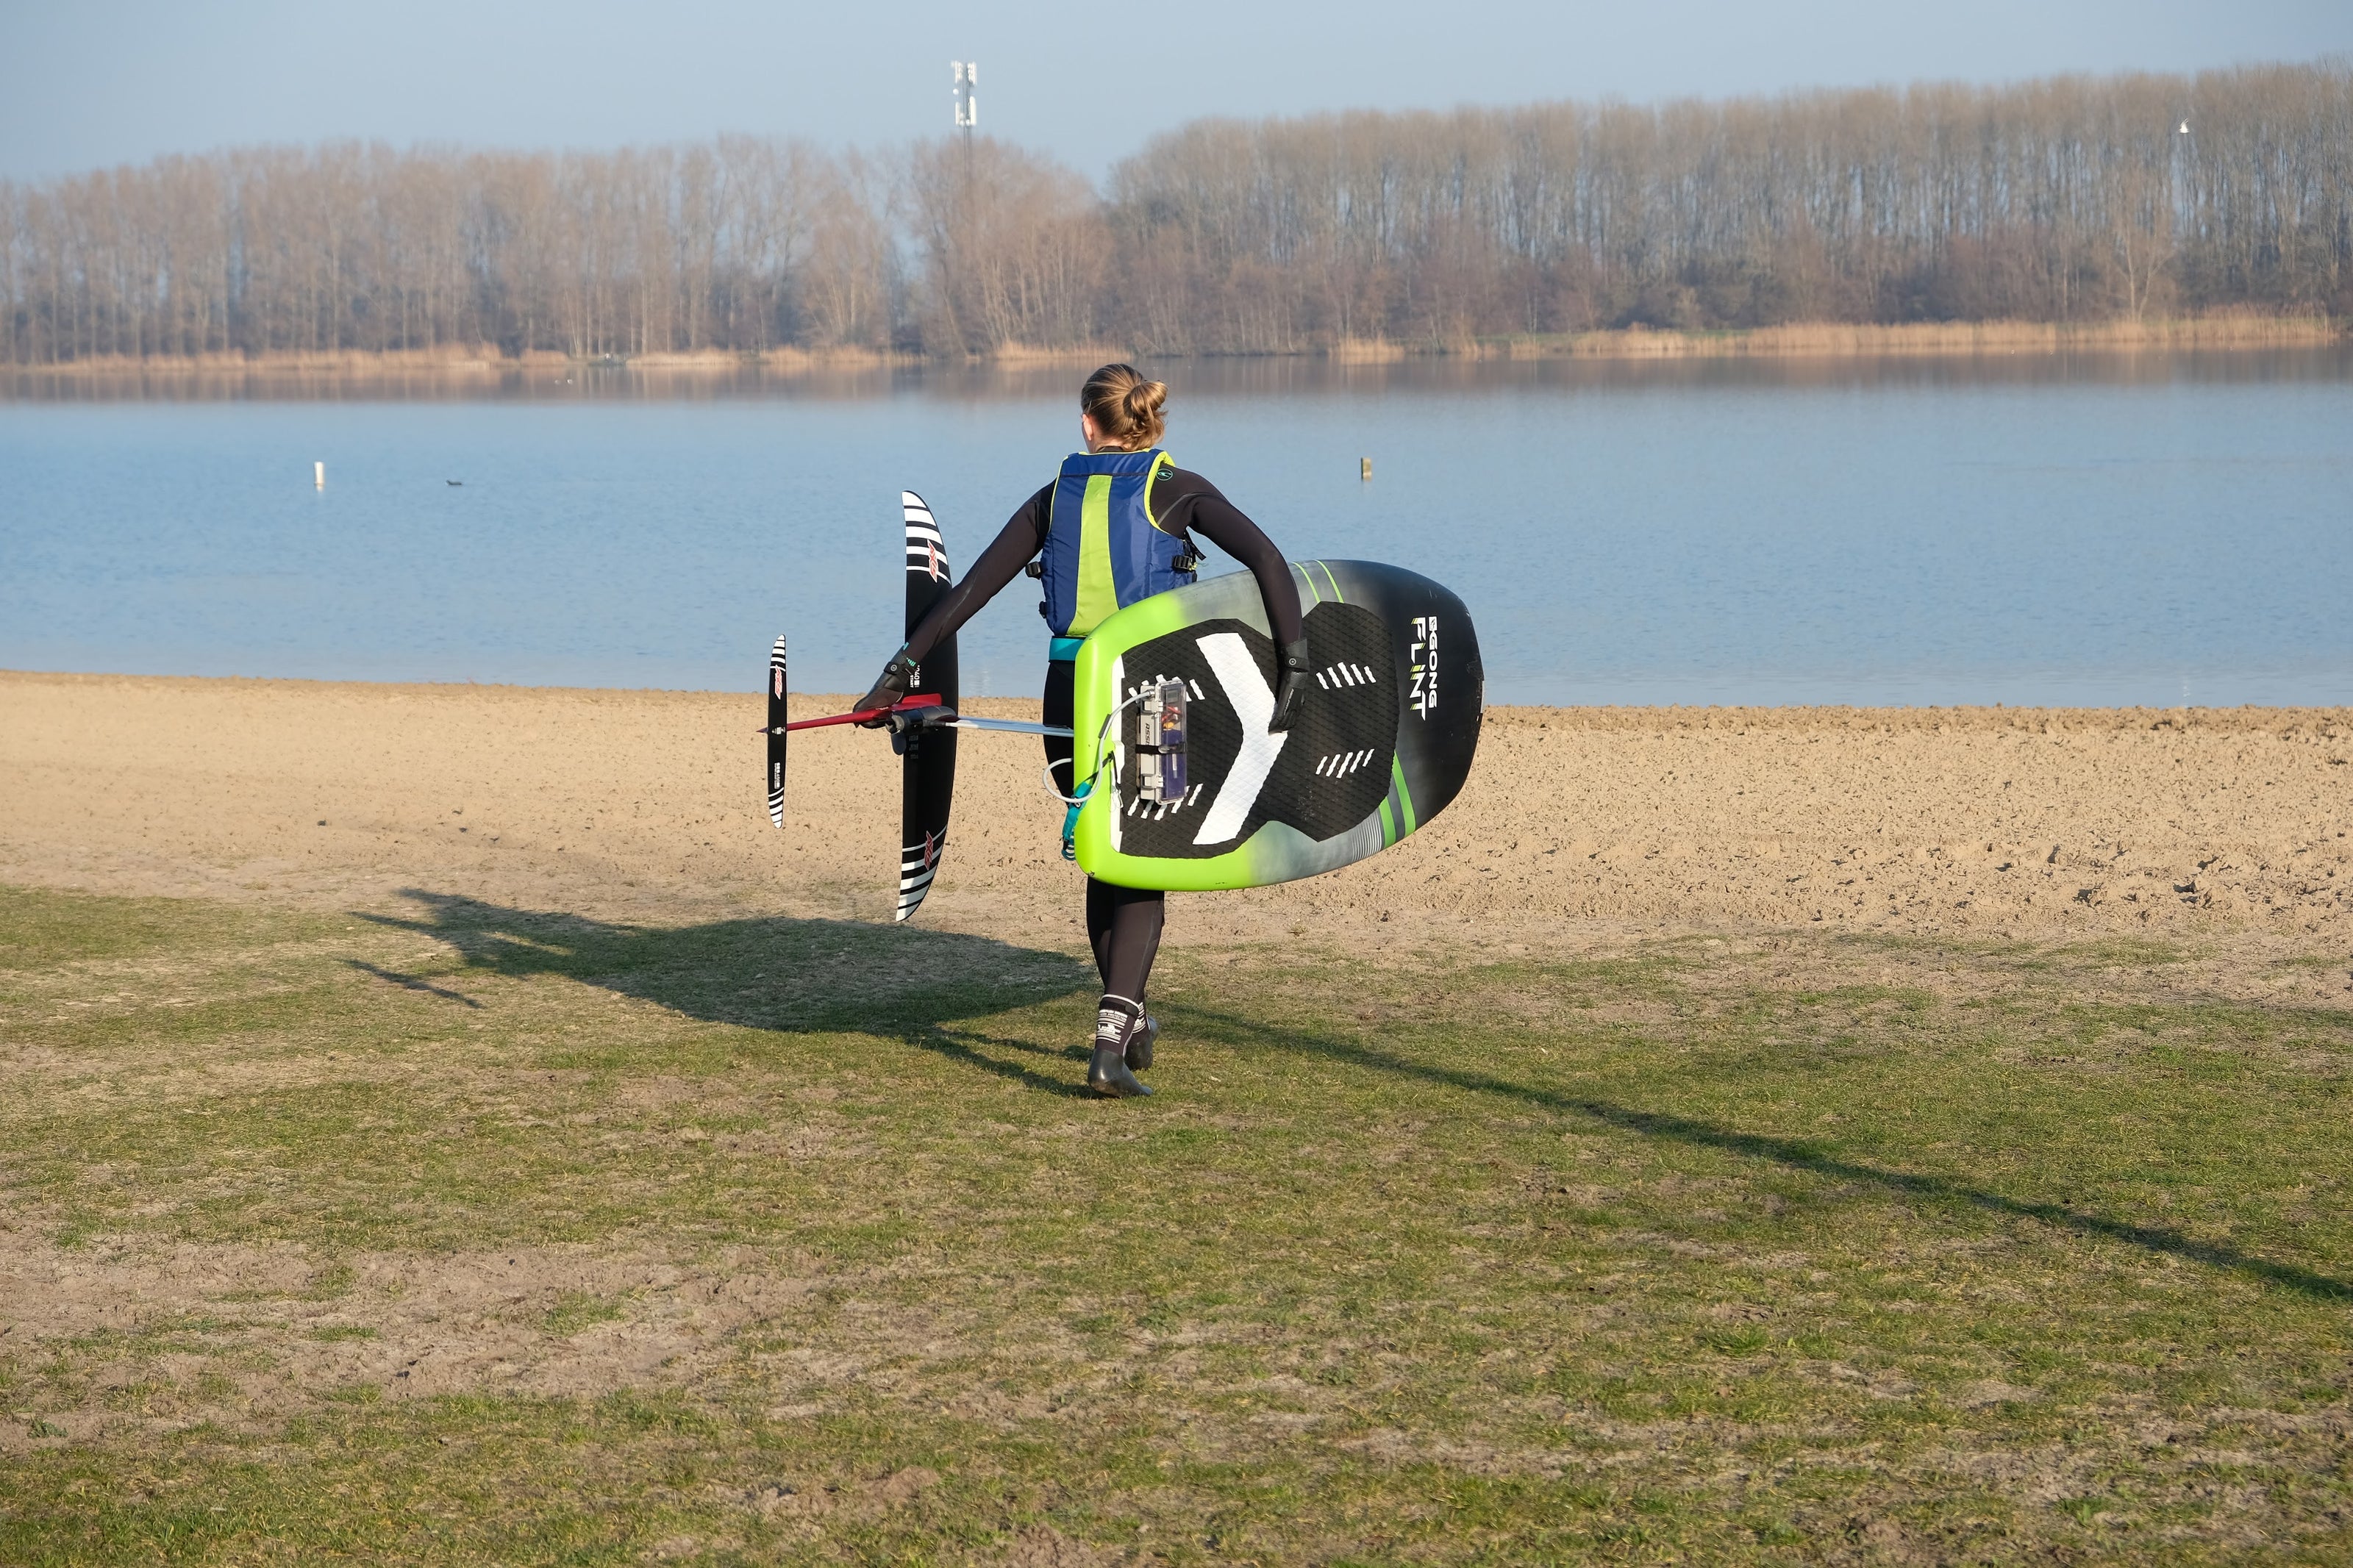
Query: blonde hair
point(1124, 406)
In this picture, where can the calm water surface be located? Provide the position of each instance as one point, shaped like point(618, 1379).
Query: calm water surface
point(2142, 530)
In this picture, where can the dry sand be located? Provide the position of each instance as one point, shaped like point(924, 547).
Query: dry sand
point(1578, 823)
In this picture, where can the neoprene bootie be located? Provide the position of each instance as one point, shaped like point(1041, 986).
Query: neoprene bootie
point(1117, 1021)
point(1139, 1044)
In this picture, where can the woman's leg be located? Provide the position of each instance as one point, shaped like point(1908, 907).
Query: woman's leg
point(1124, 924)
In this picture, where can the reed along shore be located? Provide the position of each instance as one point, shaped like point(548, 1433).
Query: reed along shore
point(461, 366)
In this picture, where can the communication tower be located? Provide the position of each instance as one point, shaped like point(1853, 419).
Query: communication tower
point(965, 75)
point(964, 78)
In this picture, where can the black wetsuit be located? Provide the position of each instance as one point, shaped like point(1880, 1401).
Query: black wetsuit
point(1122, 923)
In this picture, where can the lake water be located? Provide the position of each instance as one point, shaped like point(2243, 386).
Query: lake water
point(2096, 531)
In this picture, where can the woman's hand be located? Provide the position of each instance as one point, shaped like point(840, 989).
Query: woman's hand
point(1292, 695)
point(891, 688)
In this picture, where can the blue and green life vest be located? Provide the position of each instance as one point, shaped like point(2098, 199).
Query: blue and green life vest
point(1103, 550)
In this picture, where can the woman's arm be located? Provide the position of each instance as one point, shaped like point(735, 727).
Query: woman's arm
point(1023, 535)
point(1195, 505)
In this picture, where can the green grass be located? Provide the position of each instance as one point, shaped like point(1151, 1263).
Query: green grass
point(1790, 1252)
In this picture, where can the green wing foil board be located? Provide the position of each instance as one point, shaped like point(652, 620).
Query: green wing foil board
point(1384, 741)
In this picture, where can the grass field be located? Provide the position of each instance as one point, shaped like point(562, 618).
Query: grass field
point(468, 1234)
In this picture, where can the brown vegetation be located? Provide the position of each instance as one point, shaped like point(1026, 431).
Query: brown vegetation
point(2061, 203)
point(2218, 330)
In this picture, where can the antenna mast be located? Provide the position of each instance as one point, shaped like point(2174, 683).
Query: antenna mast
point(965, 77)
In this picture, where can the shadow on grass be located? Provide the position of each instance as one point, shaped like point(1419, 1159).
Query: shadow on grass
point(817, 976)
point(1792, 1152)
point(772, 972)
point(411, 982)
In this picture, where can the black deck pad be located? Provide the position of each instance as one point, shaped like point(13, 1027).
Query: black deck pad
point(1333, 767)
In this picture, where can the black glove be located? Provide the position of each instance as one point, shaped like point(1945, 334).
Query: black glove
point(1292, 695)
point(889, 689)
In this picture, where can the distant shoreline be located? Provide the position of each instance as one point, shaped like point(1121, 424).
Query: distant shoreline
point(1820, 340)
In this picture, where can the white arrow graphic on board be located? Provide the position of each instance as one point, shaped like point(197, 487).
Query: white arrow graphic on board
point(1254, 700)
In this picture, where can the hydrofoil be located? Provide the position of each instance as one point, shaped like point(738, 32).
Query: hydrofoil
point(922, 725)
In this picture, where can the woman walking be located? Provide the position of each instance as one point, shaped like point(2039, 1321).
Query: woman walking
point(1116, 525)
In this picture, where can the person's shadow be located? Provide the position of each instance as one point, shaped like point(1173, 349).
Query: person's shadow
point(774, 973)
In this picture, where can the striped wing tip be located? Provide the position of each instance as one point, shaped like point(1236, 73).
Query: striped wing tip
point(927, 552)
point(918, 864)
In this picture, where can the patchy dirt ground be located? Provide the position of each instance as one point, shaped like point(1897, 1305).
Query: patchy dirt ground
point(1577, 823)
point(172, 1335)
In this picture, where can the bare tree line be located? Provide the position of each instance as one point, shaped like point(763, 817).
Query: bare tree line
point(743, 244)
point(2066, 199)
point(2060, 200)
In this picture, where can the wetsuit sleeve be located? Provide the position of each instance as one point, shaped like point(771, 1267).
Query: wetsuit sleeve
point(1196, 506)
point(1023, 535)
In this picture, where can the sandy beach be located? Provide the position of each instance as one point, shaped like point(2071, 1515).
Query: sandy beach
point(1578, 823)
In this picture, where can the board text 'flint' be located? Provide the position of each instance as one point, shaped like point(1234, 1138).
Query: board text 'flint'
point(1423, 652)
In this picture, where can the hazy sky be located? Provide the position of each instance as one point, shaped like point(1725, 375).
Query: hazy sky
point(85, 83)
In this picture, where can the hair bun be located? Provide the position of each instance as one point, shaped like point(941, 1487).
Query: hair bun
point(1124, 406)
point(1143, 400)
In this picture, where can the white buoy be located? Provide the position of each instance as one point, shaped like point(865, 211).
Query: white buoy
point(319, 473)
